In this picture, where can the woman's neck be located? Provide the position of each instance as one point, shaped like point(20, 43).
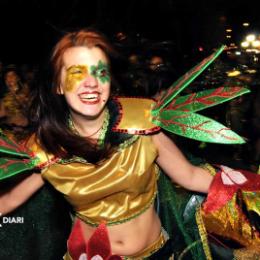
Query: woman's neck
point(88, 127)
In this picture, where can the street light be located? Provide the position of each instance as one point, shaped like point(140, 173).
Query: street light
point(251, 43)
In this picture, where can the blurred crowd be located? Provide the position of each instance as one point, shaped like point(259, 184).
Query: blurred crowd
point(16, 84)
point(147, 68)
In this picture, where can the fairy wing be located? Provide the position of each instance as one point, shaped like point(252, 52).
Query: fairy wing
point(185, 80)
point(176, 114)
point(196, 127)
point(15, 158)
point(206, 98)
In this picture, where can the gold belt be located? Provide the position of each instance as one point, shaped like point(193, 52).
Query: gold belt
point(154, 247)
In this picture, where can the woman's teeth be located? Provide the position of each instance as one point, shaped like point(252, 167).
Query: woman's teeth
point(89, 96)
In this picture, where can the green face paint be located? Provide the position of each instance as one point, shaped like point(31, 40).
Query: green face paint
point(77, 73)
point(101, 72)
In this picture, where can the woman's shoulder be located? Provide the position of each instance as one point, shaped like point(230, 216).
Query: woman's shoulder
point(134, 116)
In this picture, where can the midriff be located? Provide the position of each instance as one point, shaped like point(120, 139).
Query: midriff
point(132, 236)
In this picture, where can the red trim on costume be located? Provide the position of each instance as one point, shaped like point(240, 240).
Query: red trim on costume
point(220, 193)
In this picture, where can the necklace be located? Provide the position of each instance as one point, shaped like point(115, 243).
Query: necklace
point(103, 128)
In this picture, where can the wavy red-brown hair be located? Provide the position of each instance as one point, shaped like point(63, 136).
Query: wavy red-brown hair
point(86, 38)
point(50, 112)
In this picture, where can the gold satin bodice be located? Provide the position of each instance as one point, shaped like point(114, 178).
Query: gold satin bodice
point(115, 191)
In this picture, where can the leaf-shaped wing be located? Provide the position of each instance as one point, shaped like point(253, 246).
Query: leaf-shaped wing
point(196, 127)
point(185, 80)
point(7, 146)
point(12, 166)
point(207, 98)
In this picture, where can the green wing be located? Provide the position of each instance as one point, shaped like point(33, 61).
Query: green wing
point(7, 146)
point(196, 127)
point(207, 98)
point(185, 80)
point(10, 167)
point(14, 158)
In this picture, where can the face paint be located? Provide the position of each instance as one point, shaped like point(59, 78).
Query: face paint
point(78, 72)
point(74, 75)
point(101, 72)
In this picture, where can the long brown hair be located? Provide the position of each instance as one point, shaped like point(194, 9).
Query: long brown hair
point(50, 111)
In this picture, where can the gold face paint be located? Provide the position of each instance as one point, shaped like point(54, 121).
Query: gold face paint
point(74, 75)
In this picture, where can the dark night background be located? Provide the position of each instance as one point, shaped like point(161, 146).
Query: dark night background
point(30, 28)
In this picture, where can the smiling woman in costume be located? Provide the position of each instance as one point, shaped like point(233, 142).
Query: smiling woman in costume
point(104, 154)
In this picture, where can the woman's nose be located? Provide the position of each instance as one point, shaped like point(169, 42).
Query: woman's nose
point(91, 82)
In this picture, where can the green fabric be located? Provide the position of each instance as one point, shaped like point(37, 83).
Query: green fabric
point(43, 234)
point(182, 229)
point(173, 201)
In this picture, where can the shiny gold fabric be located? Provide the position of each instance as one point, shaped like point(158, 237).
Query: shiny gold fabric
point(136, 116)
point(229, 221)
point(119, 189)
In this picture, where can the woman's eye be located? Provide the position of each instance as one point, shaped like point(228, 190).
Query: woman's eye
point(103, 73)
point(76, 72)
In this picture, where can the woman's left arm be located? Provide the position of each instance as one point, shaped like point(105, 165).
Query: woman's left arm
point(178, 168)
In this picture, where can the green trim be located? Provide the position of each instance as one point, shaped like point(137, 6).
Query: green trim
point(127, 142)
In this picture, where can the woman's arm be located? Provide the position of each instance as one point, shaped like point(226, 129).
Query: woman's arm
point(178, 168)
point(20, 193)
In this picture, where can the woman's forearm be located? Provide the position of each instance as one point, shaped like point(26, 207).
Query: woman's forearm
point(20, 193)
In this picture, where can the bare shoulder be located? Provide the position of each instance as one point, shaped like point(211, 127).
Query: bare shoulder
point(161, 140)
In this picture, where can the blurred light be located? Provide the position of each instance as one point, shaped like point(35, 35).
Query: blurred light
point(253, 50)
point(238, 52)
point(250, 37)
point(246, 24)
point(244, 44)
point(228, 36)
point(228, 30)
point(251, 71)
point(201, 49)
point(256, 43)
point(233, 73)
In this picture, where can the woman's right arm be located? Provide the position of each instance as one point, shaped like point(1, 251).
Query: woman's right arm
point(20, 193)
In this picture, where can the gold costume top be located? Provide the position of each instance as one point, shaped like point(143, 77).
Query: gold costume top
point(114, 191)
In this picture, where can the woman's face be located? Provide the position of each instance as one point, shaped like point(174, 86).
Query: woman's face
point(11, 80)
point(85, 80)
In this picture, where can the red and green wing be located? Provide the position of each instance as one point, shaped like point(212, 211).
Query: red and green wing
point(207, 98)
point(185, 80)
point(10, 167)
point(14, 158)
point(196, 127)
point(7, 146)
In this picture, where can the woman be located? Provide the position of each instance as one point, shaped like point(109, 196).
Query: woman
point(107, 174)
